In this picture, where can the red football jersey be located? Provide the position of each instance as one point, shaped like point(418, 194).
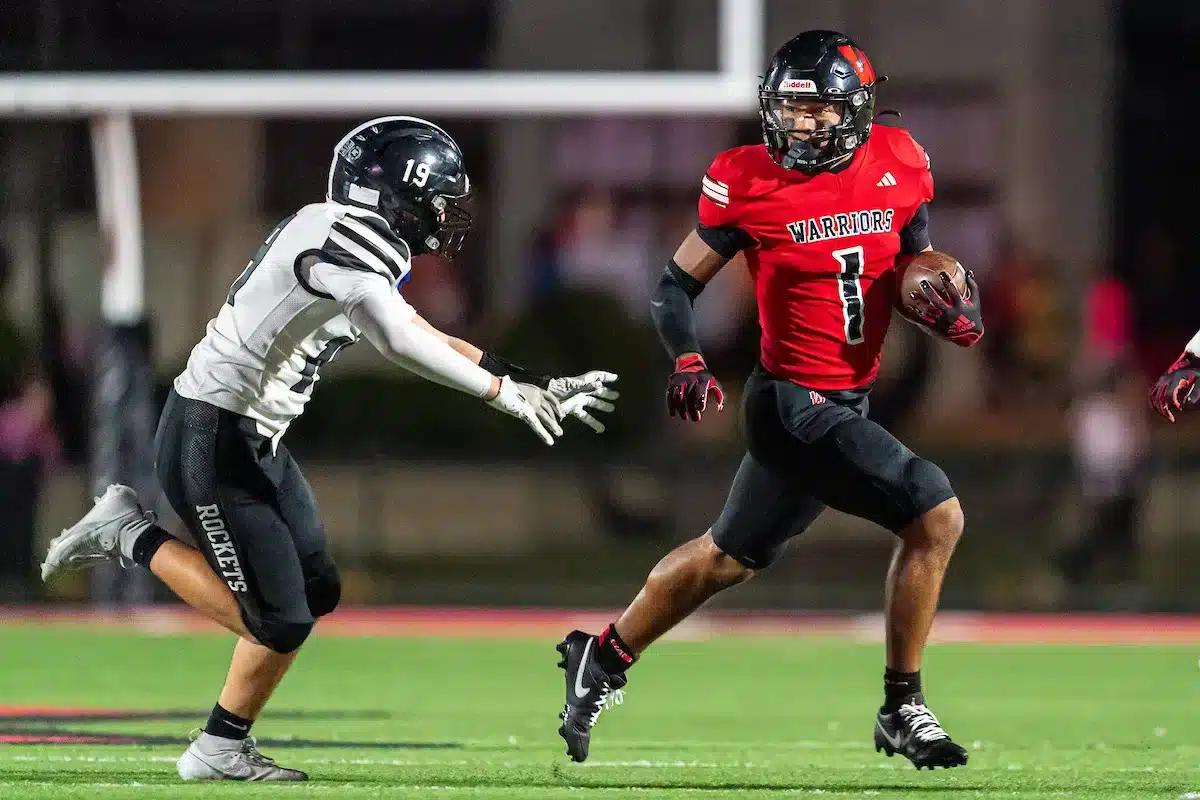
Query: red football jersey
point(824, 252)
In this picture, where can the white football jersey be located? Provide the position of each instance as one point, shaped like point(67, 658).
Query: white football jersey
point(261, 355)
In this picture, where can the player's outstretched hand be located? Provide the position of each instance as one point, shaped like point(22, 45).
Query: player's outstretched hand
point(689, 387)
point(580, 393)
point(959, 320)
point(535, 407)
point(549, 411)
point(1176, 388)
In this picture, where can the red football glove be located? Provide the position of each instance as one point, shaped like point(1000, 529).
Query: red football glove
point(1175, 388)
point(689, 387)
point(959, 321)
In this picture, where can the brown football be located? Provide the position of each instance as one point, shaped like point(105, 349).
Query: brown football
point(926, 266)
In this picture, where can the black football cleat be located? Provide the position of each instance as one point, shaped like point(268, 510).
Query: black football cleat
point(913, 732)
point(590, 690)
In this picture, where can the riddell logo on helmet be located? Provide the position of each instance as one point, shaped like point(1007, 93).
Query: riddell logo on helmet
point(797, 85)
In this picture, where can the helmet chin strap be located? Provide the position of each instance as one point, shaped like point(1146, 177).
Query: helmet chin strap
point(796, 151)
point(799, 151)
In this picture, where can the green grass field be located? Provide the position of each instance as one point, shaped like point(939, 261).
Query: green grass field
point(730, 717)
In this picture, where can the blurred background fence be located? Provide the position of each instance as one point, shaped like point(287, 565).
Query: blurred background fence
point(1057, 134)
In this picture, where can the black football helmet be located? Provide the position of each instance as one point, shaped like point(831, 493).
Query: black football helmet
point(411, 173)
point(818, 65)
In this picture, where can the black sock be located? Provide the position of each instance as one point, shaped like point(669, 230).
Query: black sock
point(898, 687)
point(148, 543)
point(226, 724)
point(613, 655)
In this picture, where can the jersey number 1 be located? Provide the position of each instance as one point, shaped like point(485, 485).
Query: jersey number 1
point(851, 261)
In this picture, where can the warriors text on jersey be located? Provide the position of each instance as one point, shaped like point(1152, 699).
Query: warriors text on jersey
point(824, 251)
point(261, 354)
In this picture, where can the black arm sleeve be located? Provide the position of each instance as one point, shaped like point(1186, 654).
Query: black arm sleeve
point(671, 308)
point(726, 241)
point(914, 237)
point(500, 367)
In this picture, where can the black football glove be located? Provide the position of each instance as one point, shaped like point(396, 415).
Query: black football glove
point(689, 387)
point(959, 320)
point(1175, 389)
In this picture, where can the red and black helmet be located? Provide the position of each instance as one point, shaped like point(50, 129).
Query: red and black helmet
point(826, 66)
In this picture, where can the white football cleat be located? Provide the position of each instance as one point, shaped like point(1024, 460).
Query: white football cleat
point(213, 758)
point(105, 533)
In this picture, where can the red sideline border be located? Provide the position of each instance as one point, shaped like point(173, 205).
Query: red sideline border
point(544, 623)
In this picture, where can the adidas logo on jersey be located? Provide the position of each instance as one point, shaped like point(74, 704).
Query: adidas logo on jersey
point(888, 179)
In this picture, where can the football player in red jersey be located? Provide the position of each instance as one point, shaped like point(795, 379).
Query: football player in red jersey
point(1175, 389)
point(821, 211)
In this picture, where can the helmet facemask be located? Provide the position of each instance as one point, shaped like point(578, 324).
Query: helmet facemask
point(828, 143)
point(452, 224)
point(438, 224)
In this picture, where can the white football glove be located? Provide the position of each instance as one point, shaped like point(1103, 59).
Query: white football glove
point(535, 409)
point(549, 411)
point(582, 392)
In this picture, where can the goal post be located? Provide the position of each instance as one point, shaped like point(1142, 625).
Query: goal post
point(122, 374)
point(331, 95)
point(730, 89)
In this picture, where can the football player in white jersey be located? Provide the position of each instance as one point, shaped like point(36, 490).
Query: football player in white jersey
point(324, 278)
point(1175, 390)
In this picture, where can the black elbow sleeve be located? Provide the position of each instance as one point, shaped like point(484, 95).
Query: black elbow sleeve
point(671, 309)
point(914, 237)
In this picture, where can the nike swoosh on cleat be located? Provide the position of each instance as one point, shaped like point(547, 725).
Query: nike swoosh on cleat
point(894, 742)
point(580, 691)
